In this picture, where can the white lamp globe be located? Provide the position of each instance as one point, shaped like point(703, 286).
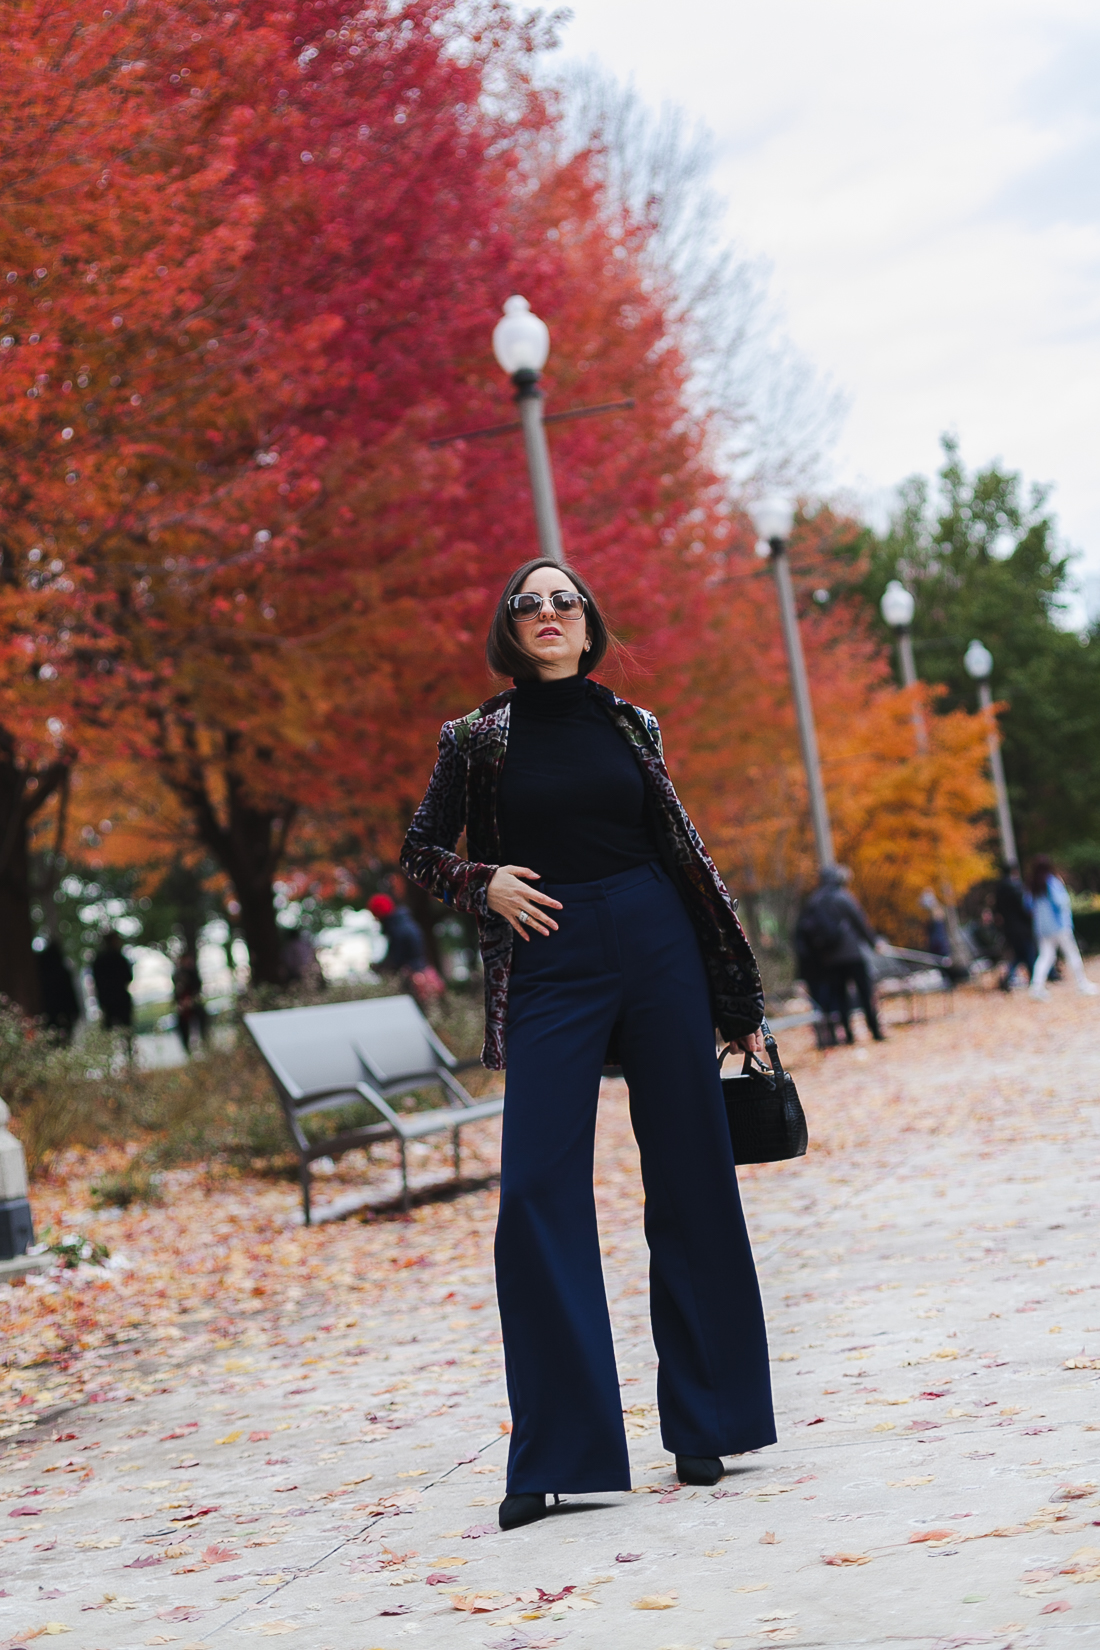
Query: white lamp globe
point(773, 519)
point(897, 605)
point(978, 661)
point(521, 342)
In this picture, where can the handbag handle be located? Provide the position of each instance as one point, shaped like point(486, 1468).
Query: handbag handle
point(771, 1048)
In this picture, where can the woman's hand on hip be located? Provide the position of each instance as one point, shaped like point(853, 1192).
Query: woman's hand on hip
point(524, 908)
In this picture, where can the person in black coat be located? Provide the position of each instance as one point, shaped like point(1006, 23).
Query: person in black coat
point(112, 973)
point(1012, 912)
point(831, 932)
point(60, 1004)
point(187, 995)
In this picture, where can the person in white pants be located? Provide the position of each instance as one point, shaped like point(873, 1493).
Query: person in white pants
point(1053, 920)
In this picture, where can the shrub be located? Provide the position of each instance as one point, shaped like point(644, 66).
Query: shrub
point(220, 1106)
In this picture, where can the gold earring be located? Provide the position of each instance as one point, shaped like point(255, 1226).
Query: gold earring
point(588, 647)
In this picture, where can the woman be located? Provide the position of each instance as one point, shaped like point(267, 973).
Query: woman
point(1053, 921)
point(607, 937)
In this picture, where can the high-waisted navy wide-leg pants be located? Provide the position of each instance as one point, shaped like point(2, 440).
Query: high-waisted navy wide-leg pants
point(625, 955)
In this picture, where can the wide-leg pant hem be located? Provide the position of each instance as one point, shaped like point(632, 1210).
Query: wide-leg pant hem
point(743, 1444)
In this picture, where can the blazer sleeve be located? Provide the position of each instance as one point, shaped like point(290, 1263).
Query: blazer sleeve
point(696, 840)
point(427, 856)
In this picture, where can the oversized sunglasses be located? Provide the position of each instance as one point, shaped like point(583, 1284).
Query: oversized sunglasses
point(568, 604)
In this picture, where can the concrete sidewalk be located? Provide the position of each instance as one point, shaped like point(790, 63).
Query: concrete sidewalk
point(933, 1296)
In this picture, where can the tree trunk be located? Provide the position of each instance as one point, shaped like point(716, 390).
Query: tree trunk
point(260, 931)
point(18, 972)
point(22, 793)
point(249, 847)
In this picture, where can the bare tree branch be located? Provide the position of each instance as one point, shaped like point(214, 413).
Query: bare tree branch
point(776, 415)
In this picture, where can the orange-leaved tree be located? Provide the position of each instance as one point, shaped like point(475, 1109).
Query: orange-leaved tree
point(903, 819)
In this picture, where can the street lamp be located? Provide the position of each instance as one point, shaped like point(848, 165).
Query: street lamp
point(521, 343)
point(978, 662)
point(773, 519)
point(897, 608)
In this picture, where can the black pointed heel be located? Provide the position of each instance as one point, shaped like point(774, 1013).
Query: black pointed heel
point(517, 1510)
point(698, 1469)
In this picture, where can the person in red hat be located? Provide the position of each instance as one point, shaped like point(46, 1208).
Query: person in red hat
point(405, 953)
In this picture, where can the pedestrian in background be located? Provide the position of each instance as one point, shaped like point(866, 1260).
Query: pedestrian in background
point(814, 974)
point(937, 941)
point(1013, 915)
point(833, 930)
point(112, 975)
point(298, 960)
point(60, 1003)
point(1053, 919)
point(187, 993)
point(405, 951)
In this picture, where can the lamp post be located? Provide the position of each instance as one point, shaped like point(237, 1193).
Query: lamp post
point(978, 662)
point(897, 607)
point(521, 343)
point(773, 519)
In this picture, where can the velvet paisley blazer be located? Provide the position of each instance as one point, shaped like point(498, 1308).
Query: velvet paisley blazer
point(462, 796)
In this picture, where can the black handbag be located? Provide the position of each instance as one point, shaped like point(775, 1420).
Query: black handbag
point(767, 1123)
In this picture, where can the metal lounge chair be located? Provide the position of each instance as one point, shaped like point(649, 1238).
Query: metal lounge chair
point(334, 1054)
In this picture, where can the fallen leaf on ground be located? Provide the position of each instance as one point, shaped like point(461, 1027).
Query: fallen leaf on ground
point(933, 1535)
point(1054, 1607)
point(842, 1559)
point(908, 1483)
point(98, 1543)
point(218, 1555)
point(627, 1558)
point(270, 1629)
point(230, 1437)
point(476, 1531)
point(657, 1601)
point(769, 1539)
point(52, 1627)
point(475, 1604)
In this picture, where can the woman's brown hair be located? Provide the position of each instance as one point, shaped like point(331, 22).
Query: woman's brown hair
point(505, 655)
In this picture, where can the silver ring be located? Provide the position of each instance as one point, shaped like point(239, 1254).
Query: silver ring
point(523, 917)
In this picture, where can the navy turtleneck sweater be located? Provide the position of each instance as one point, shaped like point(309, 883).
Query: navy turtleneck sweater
point(572, 800)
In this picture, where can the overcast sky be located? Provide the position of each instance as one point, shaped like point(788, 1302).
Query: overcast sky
point(925, 181)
